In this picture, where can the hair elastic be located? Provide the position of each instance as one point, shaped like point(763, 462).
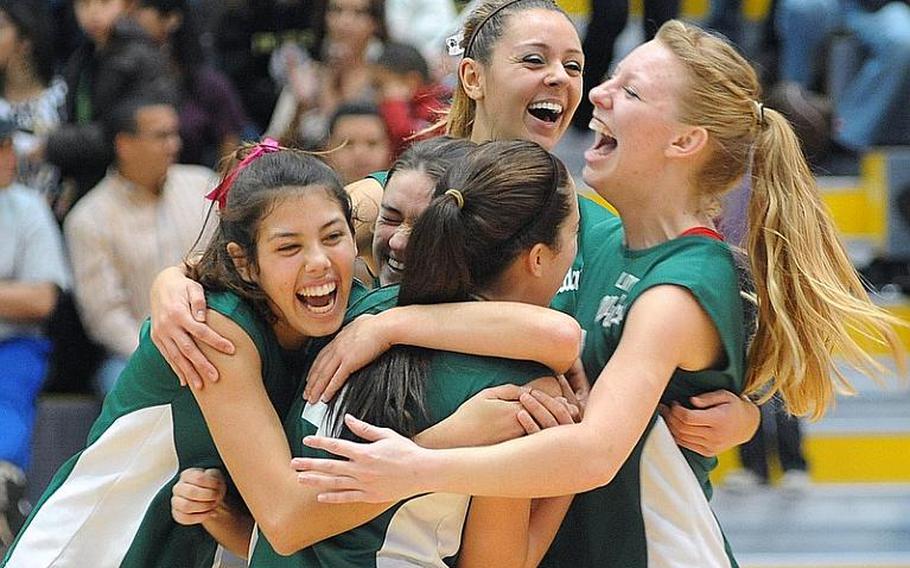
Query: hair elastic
point(760, 111)
point(220, 193)
point(459, 198)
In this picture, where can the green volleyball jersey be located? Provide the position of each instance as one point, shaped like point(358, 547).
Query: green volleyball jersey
point(422, 531)
point(591, 214)
point(109, 505)
point(655, 512)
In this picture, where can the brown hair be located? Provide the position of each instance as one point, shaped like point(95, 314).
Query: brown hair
point(254, 194)
point(512, 195)
point(810, 298)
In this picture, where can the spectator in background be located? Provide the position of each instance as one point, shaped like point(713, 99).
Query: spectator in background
point(358, 141)
point(348, 37)
point(246, 38)
point(211, 115)
point(608, 20)
point(32, 97)
point(32, 273)
point(874, 106)
point(409, 100)
point(115, 62)
point(145, 215)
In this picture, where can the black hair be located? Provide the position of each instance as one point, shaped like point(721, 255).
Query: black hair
point(33, 22)
point(185, 48)
point(403, 58)
point(432, 157)
point(513, 197)
point(123, 117)
point(254, 194)
point(376, 9)
point(356, 108)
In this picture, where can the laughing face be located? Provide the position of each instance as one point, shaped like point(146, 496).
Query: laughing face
point(406, 195)
point(305, 255)
point(532, 84)
point(634, 120)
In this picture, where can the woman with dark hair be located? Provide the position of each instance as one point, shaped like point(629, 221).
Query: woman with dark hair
point(507, 234)
point(211, 114)
point(32, 97)
point(109, 505)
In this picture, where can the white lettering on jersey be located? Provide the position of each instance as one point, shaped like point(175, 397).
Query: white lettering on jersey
point(626, 281)
point(612, 308)
point(570, 282)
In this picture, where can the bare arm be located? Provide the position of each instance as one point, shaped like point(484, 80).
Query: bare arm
point(27, 301)
point(504, 329)
point(665, 329)
point(288, 514)
point(178, 303)
point(514, 532)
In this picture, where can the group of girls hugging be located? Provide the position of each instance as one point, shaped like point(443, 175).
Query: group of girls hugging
point(499, 406)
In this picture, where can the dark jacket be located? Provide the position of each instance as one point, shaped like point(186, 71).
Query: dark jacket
point(97, 80)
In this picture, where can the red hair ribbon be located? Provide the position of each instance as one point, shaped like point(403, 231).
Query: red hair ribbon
point(220, 193)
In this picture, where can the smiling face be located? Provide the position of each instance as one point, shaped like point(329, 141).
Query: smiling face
point(406, 195)
point(634, 120)
point(305, 263)
point(532, 84)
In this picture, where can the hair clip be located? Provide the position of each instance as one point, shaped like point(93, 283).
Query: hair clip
point(453, 43)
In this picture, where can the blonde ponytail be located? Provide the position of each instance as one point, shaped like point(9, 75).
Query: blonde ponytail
point(811, 302)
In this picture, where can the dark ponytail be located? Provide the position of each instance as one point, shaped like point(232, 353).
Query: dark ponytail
point(501, 200)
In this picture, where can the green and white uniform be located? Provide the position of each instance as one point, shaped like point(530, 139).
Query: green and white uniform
point(421, 531)
point(109, 505)
point(655, 512)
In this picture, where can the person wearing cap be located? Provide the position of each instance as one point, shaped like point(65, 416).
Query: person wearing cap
point(32, 274)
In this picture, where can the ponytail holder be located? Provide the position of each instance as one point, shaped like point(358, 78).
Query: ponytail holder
point(459, 198)
point(220, 193)
point(760, 111)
